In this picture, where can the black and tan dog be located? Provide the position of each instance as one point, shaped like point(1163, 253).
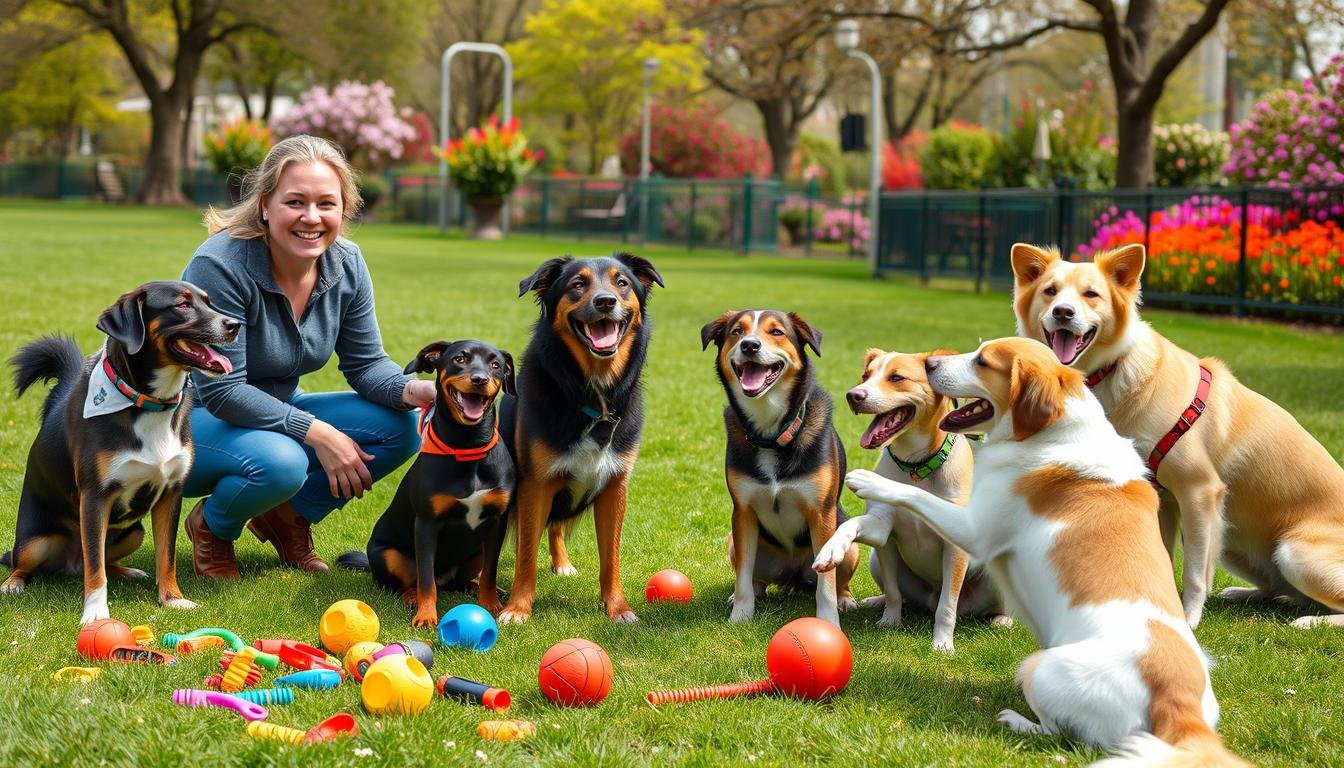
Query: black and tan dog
point(115, 442)
point(576, 422)
point(785, 462)
point(446, 523)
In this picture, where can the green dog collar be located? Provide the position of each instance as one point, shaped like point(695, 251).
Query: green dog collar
point(922, 469)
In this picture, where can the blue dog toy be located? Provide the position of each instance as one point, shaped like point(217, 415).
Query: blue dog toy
point(469, 626)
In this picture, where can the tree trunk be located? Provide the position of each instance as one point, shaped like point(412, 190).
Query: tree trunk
point(1134, 164)
point(780, 134)
point(161, 185)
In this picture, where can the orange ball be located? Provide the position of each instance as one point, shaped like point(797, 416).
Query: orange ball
point(809, 658)
point(97, 639)
point(669, 584)
point(575, 673)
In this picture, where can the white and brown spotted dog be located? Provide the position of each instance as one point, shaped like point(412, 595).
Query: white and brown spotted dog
point(784, 460)
point(909, 560)
point(1252, 485)
point(1063, 516)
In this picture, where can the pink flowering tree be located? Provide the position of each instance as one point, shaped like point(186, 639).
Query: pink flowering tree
point(1295, 137)
point(360, 117)
point(694, 143)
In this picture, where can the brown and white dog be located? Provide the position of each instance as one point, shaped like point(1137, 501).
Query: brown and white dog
point(909, 560)
point(1063, 516)
point(784, 460)
point(1251, 483)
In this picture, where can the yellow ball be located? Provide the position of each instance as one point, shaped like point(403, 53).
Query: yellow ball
point(359, 657)
point(396, 684)
point(345, 623)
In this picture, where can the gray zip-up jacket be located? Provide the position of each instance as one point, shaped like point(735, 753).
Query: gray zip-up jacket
point(272, 352)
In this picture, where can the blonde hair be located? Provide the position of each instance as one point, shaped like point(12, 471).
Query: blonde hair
point(243, 220)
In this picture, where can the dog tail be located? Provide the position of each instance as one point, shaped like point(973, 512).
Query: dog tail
point(47, 358)
point(1198, 749)
point(355, 560)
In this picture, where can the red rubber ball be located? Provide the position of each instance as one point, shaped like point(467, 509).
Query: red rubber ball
point(575, 673)
point(97, 639)
point(669, 584)
point(809, 658)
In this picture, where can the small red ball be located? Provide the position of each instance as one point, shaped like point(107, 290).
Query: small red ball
point(575, 673)
point(669, 584)
point(809, 658)
point(97, 639)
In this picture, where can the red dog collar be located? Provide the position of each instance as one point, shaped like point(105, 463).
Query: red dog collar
point(431, 444)
point(1183, 424)
point(141, 401)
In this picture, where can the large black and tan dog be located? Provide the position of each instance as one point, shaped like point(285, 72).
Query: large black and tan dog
point(576, 422)
point(446, 523)
point(115, 442)
point(785, 462)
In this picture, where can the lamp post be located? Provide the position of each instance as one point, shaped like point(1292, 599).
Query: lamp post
point(651, 65)
point(847, 40)
point(445, 102)
point(1040, 150)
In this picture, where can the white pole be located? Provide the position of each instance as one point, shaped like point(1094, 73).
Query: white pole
point(847, 40)
point(446, 128)
point(650, 69)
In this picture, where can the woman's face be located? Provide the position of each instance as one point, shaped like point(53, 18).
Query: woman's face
point(303, 213)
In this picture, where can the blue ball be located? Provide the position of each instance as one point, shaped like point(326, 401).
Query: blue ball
point(469, 626)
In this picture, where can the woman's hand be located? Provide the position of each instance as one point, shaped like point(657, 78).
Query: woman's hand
point(342, 458)
point(418, 393)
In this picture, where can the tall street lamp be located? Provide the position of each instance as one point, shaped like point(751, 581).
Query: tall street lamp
point(847, 40)
point(650, 69)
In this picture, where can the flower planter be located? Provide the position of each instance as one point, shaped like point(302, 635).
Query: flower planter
point(485, 217)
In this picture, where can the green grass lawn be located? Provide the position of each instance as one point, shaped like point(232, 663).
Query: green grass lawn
point(61, 264)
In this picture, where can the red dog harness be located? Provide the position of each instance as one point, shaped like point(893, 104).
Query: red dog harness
point(431, 444)
point(1187, 419)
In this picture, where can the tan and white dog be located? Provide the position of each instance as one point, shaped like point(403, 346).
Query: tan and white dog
point(909, 560)
point(1063, 516)
point(1251, 483)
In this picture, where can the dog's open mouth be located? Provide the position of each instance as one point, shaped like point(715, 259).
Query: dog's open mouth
point(201, 356)
point(968, 416)
point(472, 405)
point(601, 336)
point(756, 378)
point(886, 426)
point(1068, 345)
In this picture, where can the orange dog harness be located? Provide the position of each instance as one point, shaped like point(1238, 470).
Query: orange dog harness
point(431, 444)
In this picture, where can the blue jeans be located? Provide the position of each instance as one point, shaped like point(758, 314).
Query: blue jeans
point(246, 472)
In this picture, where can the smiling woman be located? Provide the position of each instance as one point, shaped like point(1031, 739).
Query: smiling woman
point(268, 456)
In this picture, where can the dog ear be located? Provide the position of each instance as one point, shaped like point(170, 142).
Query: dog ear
point(125, 321)
point(872, 354)
point(714, 331)
point(540, 280)
point(644, 270)
point(806, 333)
point(1123, 266)
point(1029, 262)
point(428, 357)
point(510, 383)
point(1036, 395)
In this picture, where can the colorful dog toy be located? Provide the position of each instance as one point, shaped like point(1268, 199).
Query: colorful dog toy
point(76, 674)
point(575, 672)
point(268, 696)
point(808, 658)
point(204, 642)
point(669, 584)
point(311, 678)
point(189, 697)
point(505, 730)
point(97, 638)
point(331, 728)
point(345, 623)
point(134, 654)
point(468, 626)
point(358, 658)
point(143, 634)
point(463, 689)
point(298, 655)
point(396, 684)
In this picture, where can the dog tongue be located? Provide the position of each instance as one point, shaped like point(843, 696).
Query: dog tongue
point(473, 406)
point(604, 334)
point(1065, 346)
point(210, 359)
point(753, 376)
point(877, 432)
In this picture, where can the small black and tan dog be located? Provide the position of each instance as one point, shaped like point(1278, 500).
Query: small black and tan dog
point(115, 442)
point(575, 425)
point(446, 523)
point(785, 462)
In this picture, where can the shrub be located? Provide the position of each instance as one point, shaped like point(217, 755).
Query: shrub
point(1188, 155)
point(844, 225)
point(237, 147)
point(820, 158)
point(694, 143)
point(359, 117)
point(1079, 147)
point(900, 161)
point(489, 161)
point(372, 188)
point(957, 156)
point(1295, 137)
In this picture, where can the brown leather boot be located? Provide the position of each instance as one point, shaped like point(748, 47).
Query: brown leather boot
point(291, 535)
point(212, 556)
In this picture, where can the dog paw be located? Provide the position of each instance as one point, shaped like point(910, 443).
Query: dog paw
point(626, 616)
point(1194, 614)
point(126, 572)
point(834, 550)
point(564, 570)
point(1307, 622)
point(891, 617)
point(944, 645)
point(513, 616)
point(876, 601)
point(425, 620)
point(180, 603)
point(741, 613)
point(846, 603)
point(871, 486)
point(93, 613)
point(1243, 595)
point(12, 586)
point(1017, 723)
point(1002, 620)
